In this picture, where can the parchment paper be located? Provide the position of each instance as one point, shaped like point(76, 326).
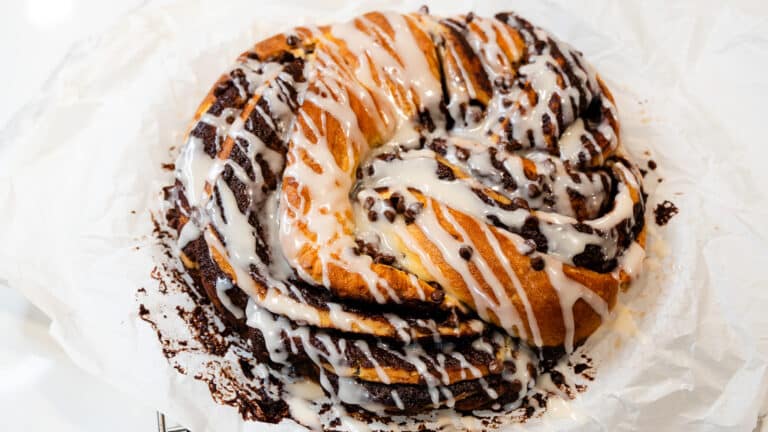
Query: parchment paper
point(80, 170)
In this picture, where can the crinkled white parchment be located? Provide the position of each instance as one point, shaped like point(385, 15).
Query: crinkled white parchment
point(80, 168)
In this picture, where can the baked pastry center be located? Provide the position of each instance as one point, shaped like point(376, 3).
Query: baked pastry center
point(392, 205)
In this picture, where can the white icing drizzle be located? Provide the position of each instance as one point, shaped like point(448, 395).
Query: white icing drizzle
point(222, 286)
point(286, 205)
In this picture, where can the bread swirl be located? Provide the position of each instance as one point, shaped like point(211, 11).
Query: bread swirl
point(394, 202)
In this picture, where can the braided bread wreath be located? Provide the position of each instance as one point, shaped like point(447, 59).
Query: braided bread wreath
point(398, 207)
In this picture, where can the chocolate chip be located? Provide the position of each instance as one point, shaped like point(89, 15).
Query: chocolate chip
point(425, 120)
point(384, 259)
point(594, 111)
point(594, 259)
point(530, 230)
point(373, 216)
point(462, 154)
point(439, 146)
point(230, 119)
point(359, 173)
point(470, 16)
point(531, 246)
point(533, 190)
point(390, 215)
point(397, 202)
point(508, 182)
point(521, 203)
point(537, 263)
point(368, 203)
point(292, 40)
point(437, 296)
point(513, 146)
point(557, 378)
point(583, 228)
point(466, 252)
point(370, 170)
point(501, 83)
point(444, 172)
point(652, 164)
point(412, 211)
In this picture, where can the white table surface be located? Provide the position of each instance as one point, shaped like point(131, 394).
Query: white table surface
point(40, 388)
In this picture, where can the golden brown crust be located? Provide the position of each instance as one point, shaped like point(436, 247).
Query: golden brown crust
point(348, 102)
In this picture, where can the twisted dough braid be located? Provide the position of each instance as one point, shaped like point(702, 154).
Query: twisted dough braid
point(414, 179)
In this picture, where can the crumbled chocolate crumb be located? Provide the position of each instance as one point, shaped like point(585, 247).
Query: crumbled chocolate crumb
point(581, 367)
point(168, 166)
point(664, 212)
point(246, 367)
point(387, 157)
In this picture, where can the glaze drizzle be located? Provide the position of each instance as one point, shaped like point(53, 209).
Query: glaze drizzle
point(420, 180)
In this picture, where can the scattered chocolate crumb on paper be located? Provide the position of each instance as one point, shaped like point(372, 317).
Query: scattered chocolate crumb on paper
point(196, 342)
point(664, 212)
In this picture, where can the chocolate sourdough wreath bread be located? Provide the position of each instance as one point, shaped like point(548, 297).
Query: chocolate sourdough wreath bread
point(397, 205)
